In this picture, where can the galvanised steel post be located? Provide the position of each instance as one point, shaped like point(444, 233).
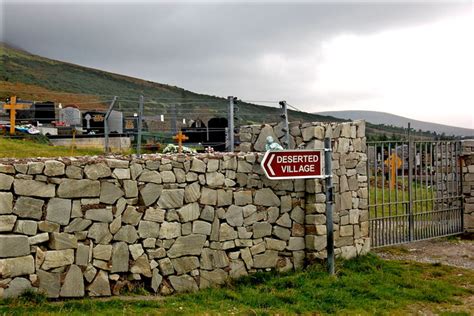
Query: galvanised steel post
point(329, 204)
point(231, 124)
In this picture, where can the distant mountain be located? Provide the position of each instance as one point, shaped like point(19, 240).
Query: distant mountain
point(375, 117)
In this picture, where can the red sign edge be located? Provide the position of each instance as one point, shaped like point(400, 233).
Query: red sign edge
point(321, 151)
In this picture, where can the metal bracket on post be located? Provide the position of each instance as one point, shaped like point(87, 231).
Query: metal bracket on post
point(106, 125)
point(285, 129)
point(231, 123)
point(140, 126)
point(329, 204)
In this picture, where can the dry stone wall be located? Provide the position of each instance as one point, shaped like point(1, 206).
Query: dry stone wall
point(467, 158)
point(73, 227)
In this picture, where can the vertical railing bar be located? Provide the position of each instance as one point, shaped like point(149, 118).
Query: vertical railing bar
point(410, 176)
point(389, 224)
point(459, 185)
point(415, 206)
point(443, 169)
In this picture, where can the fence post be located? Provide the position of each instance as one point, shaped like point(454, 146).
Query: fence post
point(285, 129)
point(140, 126)
point(230, 123)
point(410, 183)
point(329, 203)
point(106, 125)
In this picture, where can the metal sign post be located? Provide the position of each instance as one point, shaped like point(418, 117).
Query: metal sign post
point(306, 164)
point(329, 204)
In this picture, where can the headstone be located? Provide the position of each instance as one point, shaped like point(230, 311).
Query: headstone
point(70, 116)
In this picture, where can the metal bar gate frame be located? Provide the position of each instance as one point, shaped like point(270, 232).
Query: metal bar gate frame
point(414, 191)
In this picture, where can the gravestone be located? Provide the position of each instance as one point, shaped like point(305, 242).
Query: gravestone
point(70, 116)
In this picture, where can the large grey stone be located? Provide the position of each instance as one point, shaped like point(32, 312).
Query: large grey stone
point(14, 246)
point(266, 131)
point(7, 222)
point(57, 258)
point(97, 171)
point(170, 230)
point(168, 176)
point(35, 167)
point(5, 182)
point(120, 256)
point(110, 193)
point(189, 212)
point(261, 229)
point(202, 227)
point(100, 215)
point(150, 176)
point(6, 202)
point(183, 283)
point(150, 193)
point(210, 278)
point(215, 179)
point(53, 168)
point(297, 214)
point(77, 225)
point(148, 229)
point(198, 166)
point(73, 285)
point(243, 197)
point(13, 267)
point(154, 215)
point(38, 239)
point(234, 216)
point(185, 264)
point(71, 188)
point(166, 267)
point(29, 207)
point(212, 259)
point(187, 245)
point(82, 254)
point(127, 233)
point(117, 163)
point(156, 280)
point(131, 216)
point(136, 250)
point(100, 286)
point(237, 269)
point(49, 283)
point(208, 196)
point(122, 173)
point(26, 227)
point(34, 188)
point(74, 172)
point(226, 232)
point(59, 241)
point(192, 192)
point(281, 233)
point(284, 220)
point(17, 287)
point(296, 243)
point(266, 197)
point(100, 233)
point(141, 266)
point(266, 260)
point(131, 188)
point(171, 198)
point(59, 211)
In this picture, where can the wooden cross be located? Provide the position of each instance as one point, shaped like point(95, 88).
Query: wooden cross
point(13, 106)
point(393, 162)
point(180, 137)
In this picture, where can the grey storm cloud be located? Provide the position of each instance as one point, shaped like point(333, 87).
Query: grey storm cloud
point(208, 48)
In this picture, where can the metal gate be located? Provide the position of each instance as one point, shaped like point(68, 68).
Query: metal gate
point(414, 191)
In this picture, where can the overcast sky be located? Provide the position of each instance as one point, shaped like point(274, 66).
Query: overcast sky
point(414, 60)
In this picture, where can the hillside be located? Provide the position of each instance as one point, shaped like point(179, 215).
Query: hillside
point(376, 117)
point(37, 78)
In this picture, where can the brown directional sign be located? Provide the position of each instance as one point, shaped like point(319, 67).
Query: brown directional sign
point(293, 164)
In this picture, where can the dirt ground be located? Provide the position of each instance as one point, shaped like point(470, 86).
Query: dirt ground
point(453, 251)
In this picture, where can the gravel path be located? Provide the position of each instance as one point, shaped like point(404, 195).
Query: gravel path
point(458, 252)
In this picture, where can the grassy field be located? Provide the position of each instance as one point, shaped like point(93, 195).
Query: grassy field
point(19, 148)
point(366, 285)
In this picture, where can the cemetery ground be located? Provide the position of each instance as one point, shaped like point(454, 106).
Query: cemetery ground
point(364, 285)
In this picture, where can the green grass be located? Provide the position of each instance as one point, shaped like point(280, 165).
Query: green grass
point(366, 285)
point(23, 148)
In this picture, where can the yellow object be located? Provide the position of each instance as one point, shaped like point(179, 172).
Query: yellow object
point(393, 162)
point(180, 137)
point(13, 106)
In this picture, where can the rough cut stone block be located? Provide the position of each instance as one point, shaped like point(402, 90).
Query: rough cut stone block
point(100, 215)
point(38, 239)
point(6, 202)
point(171, 198)
point(57, 258)
point(127, 233)
point(13, 267)
point(131, 188)
point(110, 193)
point(70, 188)
point(189, 212)
point(266, 260)
point(49, 283)
point(185, 264)
point(7, 222)
point(234, 216)
point(226, 232)
point(183, 283)
point(243, 197)
point(5, 182)
point(170, 230)
point(187, 245)
point(53, 168)
point(120, 256)
point(156, 280)
point(150, 193)
point(148, 229)
point(154, 215)
point(208, 196)
point(201, 227)
point(261, 229)
point(34, 188)
point(77, 225)
point(121, 173)
point(17, 287)
point(97, 171)
point(59, 211)
point(266, 197)
point(142, 266)
point(26, 227)
point(100, 233)
point(60, 241)
point(100, 286)
point(73, 285)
